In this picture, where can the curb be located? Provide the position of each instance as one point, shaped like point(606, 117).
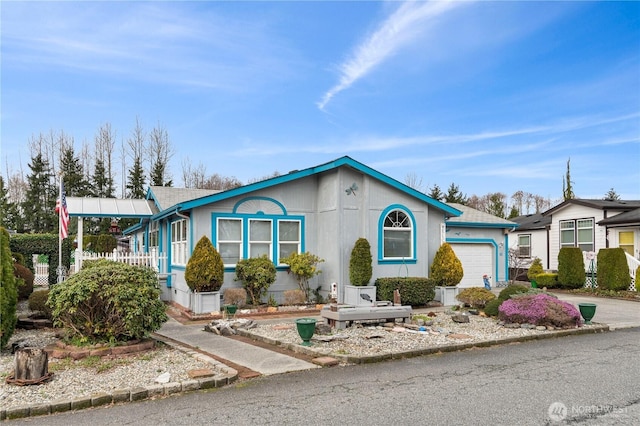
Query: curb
point(601, 328)
point(228, 376)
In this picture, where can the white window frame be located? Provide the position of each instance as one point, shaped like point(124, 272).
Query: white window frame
point(238, 243)
point(574, 226)
point(397, 228)
point(256, 242)
point(297, 242)
point(179, 242)
point(524, 250)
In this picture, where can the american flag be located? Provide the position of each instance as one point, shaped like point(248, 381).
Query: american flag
point(63, 213)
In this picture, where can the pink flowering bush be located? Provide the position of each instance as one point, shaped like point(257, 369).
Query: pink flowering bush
point(539, 309)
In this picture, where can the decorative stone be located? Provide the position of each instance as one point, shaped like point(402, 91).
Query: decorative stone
point(527, 326)
point(163, 378)
point(323, 329)
point(512, 325)
point(459, 336)
point(200, 373)
point(460, 318)
point(325, 361)
point(541, 328)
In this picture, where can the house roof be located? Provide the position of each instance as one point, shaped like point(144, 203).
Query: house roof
point(110, 207)
point(212, 197)
point(624, 205)
point(631, 217)
point(471, 217)
point(531, 222)
point(166, 196)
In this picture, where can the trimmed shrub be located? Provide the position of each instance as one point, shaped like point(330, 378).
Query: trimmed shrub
point(539, 309)
point(492, 306)
point(638, 279)
point(109, 302)
point(303, 266)
point(414, 291)
point(548, 280)
point(8, 291)
point(510, 290)
point(256, 274)
point(360, 269)
point(235, 296)
point(294, 297)
point(571, 273)
point(476, 297)
point(205, 270)
point(446, 269)
point(25, 278)
point(613, 271)
point(535, 269)
point(38, 303)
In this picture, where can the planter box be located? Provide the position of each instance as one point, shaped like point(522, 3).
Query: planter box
point(447, 295)
point(353, 295)
point(205, 302)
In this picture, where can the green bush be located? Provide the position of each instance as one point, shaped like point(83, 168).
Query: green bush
point(513, 290)
point(303, 266)
point(8, 291)
point(613, 271)
point(571, 272)
point(205, 270)
point(446, 269)
point(415, 291)
point(548, 280)
point(38, 302)
point(491, 308)
point(360, 269)
point(476, 297)
point(638, 279)
point(508, 291)
point(42, 244)
point(104, 243)
point(25, 278)
point(109, 302)
point(535, 269)
point(235, 296)
point(256, 274)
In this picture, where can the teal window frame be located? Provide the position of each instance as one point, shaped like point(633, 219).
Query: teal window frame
point(412, 257)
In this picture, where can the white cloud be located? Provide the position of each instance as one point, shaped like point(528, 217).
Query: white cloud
point(398, 30)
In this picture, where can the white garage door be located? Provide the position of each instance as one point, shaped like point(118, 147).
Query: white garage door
point(477, 260)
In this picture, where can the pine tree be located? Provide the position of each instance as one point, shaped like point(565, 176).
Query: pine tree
point(40, 198)
point(611, 195)
point(75, 184)
point(436, 193)
point(496, 205)
point(8, 210)
point(454, 195)
point(567, 185)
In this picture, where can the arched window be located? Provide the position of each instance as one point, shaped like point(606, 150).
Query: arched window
point(398, 239)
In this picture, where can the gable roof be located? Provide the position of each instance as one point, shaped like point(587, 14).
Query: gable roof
point(624, 205)
point(532, 222)
point(631, 217)
point(166, 196)
point(473, 218)
point(299, 174)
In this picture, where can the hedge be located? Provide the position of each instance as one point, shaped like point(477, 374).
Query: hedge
point(414, 291)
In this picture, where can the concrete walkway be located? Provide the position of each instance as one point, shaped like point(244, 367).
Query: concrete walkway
point(613, 312)
point(263, 361)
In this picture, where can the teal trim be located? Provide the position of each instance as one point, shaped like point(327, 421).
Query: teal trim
point(383, 216)
point(479, 225)
point(340, 162)
point(245, 218)
point(271, 200)
point(482, 241)
point(397, 262)
point(506, 251)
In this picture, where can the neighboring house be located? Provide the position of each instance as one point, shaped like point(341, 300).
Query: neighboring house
point(480, 241)
point(322, 210)
point(531, 238)
point(588, 224)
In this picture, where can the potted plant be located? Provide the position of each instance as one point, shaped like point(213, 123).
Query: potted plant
point(204, 275)
point(446, 273)
point(360, 272)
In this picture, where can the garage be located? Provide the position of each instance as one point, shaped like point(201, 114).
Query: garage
point(477, 260)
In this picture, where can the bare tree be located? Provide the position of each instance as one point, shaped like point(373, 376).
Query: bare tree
point(160, 152)
point(193, 177)
point(517, 264)
point(414, 181)
point(260, 179)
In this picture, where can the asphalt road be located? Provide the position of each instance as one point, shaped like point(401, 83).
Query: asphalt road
point(589, 379)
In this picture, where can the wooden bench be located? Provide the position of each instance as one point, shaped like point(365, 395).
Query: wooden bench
point(346, 315)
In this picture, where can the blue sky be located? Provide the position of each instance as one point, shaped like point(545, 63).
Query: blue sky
point(492, 96)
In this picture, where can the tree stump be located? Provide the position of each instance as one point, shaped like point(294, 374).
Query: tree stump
point(31, 366)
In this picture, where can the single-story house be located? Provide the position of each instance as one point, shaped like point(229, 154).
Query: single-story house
point(480, 241)
point(585, 223)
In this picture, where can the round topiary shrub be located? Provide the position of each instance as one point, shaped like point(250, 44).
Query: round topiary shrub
point(360, 269)
point(512, 289)
point(446, 269)
point(571, 272)
point(108, 302)
point(491, 308)
point(25, 278)
point(256, 274)
point(37, 302)
point(8, 291)
point(539, 309)
point(205, 269)
point(535, 269)
point(476, 297)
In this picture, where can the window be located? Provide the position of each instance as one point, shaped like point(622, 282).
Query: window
point(154, 232)
point(524, 245)
point(625, 242)
point(230, 240)
point(249, 236)
point(397, 241)
point(577, 233)
point(179, 242)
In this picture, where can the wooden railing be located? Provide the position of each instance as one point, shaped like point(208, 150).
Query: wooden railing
point(152, 259)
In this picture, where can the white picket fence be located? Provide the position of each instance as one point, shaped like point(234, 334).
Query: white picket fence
point(151, 259)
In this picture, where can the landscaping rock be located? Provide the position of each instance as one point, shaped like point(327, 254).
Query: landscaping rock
point(459, 318)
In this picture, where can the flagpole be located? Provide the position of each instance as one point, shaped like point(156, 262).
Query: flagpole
point(59, 271)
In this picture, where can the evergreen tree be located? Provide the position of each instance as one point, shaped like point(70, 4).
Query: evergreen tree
point(567, 185)
point(40, 198)
point(454, 195)
point(513, 213)
point(8, 210)
point(136, 181)
point(436, 193)
point(75, 184)
point(496, 204)
point(611, 195)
